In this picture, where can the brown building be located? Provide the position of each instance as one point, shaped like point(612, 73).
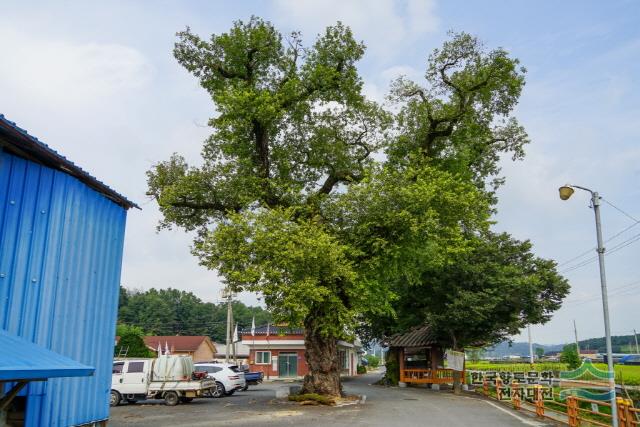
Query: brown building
point(279, 352)
point(200, 348)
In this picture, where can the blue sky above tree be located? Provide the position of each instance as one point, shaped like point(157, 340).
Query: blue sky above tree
point(98, 82)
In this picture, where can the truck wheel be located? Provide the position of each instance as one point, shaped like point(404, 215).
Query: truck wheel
point(218, 390)
point(171, 398)
point(115, 398)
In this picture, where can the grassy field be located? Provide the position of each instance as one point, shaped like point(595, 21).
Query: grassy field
point(625, 374)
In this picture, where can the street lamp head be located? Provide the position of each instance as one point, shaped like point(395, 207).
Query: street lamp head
point(565, 192)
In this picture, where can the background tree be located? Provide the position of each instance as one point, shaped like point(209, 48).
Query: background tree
point(131, 342)
point(570, 356)
point(372, 361)
point(292, 127)
point(183, 313)
point(539, 352)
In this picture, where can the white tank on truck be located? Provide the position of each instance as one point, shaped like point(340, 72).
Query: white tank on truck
point(171, 378)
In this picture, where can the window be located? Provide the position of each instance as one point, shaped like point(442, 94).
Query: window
point(135, 367)
point(117, 368)
point(263, 357)
point(208, 369)
point(343, 360)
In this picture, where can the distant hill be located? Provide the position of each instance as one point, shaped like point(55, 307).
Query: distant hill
point(620, 344)
point(518, 349)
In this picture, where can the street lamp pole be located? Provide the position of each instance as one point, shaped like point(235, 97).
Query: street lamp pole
point(565, 193)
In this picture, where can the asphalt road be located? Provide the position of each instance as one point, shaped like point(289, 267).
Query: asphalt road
point(383, 407)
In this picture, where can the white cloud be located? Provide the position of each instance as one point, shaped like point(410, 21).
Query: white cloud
point(61, 71)
point(396, 71)
point(384, 25)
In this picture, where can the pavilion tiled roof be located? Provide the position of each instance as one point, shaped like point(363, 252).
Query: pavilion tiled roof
point(420, 336)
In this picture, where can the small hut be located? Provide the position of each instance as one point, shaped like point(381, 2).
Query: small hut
point(420, 357)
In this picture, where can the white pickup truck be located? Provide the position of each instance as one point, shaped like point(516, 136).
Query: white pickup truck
point(167, 377)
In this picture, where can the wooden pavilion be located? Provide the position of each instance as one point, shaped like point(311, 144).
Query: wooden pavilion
point(420, 357)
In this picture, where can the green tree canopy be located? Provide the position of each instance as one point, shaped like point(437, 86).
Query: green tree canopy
point(130, 342)
point(289, 202)
point(175, 312)
point(570, 356)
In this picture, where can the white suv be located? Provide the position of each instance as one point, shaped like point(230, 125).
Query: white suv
point(228, 377)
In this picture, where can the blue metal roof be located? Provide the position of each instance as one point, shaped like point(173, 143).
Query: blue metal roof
point(28, 146)
point(23, 360)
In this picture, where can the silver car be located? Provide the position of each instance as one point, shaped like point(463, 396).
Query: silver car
point(228, 377)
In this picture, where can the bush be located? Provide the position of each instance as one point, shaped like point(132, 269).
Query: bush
point(362, 369)
point(392, 374)
point(374, 361)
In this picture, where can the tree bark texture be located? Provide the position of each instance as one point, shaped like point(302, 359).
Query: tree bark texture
point(322, 358)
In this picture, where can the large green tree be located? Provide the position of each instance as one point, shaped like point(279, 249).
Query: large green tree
point(288, 201)
point(483, 286)
point(292, 128)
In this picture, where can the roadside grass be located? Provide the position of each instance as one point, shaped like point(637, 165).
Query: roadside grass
point(625, 374)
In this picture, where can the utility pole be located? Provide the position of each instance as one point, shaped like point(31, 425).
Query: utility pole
point(229, 322)
point(235, 355)
point(530, 345)
point(565, 192)
point(595, 199)
point(635, 336)
point(575, 332)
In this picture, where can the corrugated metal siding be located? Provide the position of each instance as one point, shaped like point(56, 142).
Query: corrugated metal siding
point(60, 260)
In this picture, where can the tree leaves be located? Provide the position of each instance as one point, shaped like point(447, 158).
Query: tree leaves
point(291, 202)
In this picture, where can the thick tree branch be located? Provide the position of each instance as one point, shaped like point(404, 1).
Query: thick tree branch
point(216, 206)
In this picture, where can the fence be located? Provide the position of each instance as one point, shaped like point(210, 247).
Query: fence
point(573, 411)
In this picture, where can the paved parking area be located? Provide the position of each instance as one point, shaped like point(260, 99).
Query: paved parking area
point(383, 407)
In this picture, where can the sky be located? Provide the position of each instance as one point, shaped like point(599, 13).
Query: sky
point(97, 81)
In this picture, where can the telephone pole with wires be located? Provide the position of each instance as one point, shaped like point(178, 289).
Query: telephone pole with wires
point(228, 295)
point(575, 332)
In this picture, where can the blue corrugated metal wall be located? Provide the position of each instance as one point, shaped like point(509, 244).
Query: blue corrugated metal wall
point(60, 259)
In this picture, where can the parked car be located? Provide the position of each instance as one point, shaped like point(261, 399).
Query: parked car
point(229, 378)
point(171, 378)
point(632, 359)
point(251, 378)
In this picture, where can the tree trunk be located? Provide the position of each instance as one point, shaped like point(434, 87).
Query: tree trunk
point(322, 358)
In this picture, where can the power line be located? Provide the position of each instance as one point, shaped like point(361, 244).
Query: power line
point(593, 249)
point(583, 254)
point(624, 290)
point(619, 210)
point(612, 250)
